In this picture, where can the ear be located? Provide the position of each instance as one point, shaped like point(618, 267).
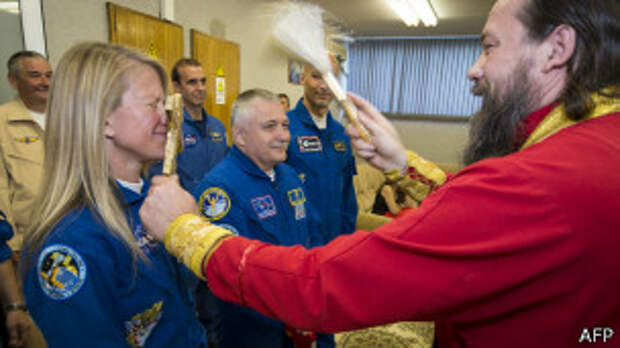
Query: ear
point(237, 134)
point(561, 43)
point(302, 77)
point(12, 80)
point(108, 130)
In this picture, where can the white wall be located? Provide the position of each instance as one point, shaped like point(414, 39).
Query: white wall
point(440, 141)
point(263, 65)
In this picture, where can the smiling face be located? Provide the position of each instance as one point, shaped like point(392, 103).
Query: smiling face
point(317, 95)
point(263, 135)
point(508, 77)
point(136, 130)
point(506, 48)
point(192, 84)
point(32, 80)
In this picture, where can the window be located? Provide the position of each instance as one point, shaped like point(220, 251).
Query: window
point(415, 76)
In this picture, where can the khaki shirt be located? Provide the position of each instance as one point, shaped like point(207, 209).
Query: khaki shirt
point(21, 166)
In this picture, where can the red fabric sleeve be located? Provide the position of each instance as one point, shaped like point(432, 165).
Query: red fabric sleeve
point(418, 267)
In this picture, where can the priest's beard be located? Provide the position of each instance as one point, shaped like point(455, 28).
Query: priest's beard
point(496, 127)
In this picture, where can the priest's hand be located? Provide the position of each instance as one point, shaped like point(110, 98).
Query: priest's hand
point(386, 150)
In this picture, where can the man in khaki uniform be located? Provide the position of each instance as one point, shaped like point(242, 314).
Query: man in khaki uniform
point(22, 124)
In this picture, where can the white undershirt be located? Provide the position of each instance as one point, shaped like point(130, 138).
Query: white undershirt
point(321, 122)
point(39, 118)
point(272, 175)
point(134, 186)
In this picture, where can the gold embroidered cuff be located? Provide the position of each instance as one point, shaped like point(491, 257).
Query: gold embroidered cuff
point(426, 175)
point(192, 240)
point(425, 168)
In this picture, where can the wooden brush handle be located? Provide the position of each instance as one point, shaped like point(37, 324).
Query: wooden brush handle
point(349, 109)
point(174, 108)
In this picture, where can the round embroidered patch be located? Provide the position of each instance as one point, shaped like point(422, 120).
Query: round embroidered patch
point(214, 203)
point(229, 227)
point(61, 271)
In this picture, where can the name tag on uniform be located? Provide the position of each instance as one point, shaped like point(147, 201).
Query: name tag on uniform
point(190, 139)
point(309, 143)
point(264, 206)
point(216, 137)
point(340, 146)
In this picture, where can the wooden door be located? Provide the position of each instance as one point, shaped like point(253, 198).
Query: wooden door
point(221, 63)
point(159, 39)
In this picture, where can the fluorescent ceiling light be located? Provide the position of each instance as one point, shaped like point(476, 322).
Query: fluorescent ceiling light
point(412, 11)
point(10, 6)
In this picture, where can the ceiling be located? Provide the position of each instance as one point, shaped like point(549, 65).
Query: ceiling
point(375, 18)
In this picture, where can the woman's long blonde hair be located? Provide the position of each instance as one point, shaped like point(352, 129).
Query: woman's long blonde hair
point(88, 85)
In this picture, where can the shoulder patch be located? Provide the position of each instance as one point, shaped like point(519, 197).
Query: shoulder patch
point(264, 206)
point(230, 227)
point(214, 203)
point(309, 143)
point(61, 271)
point(139, 328)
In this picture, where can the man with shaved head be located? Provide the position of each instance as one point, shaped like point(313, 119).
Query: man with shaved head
point(252, 193)
point(321, 153)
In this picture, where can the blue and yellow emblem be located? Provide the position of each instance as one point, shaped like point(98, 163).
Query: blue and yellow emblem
point(297, 199)
point(302, 177)
point(214, 203)
point(61, 271)
point(139, 327)
point(216, 137)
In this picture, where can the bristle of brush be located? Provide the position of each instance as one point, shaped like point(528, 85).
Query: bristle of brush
point(299, 28)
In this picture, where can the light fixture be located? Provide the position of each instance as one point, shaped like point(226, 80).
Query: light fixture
point(412, 11)
point(10, 6)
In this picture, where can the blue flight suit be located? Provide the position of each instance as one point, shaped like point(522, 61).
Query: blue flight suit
point(204, 145)
point(324, 160)
point(6, 233)
point(84, 289)
point(238, 195)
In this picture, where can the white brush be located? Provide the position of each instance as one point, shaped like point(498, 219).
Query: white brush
point(299, 28)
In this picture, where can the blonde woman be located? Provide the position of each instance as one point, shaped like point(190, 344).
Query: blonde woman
point(92, 276)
